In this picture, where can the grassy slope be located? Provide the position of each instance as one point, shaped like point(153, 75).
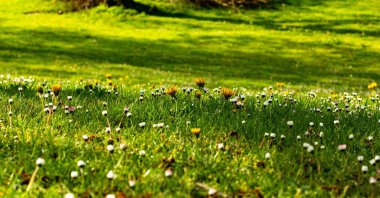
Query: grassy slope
point(335, 44)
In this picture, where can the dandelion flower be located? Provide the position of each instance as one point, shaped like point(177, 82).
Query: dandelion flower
point(372, 162)
point(56, 89)
point(227, 93)
point(267, 155)
point(142, 124)
point(200, 82)
point(196, 131)
point(336, 122)
point(104, 113)
point(110, 148)
point(172, 90)
point(351, 136)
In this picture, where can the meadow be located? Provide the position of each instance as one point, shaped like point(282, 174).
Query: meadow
point(110, 102)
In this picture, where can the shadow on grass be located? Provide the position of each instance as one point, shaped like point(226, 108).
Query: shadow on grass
point(81, 54)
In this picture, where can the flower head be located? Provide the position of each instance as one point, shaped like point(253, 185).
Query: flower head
point(56, 89)
point(196, 131)
point(227, 93)
point(172, 90)
point(200, 82)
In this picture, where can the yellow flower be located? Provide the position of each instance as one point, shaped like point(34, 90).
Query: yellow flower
point(56, 89)
point(227, 93)
point(109, 76)
point(372, 85)
point(109, 82)
point(172, 90)
point(196, 131)
point(200, 82)
point(280, 84)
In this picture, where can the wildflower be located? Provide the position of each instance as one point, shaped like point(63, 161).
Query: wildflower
point(342, 147)
point(306, 145)
point(200, 82)
point(40, 162)
point(311, 124)
point(266, 134)
point(172, 90)
point(372, 162)
point(85, 137)
point(290, 124)
point(372, 180)
point(108, 129)
point(10, 101)
point(123, 146)
point(212, 192)
point(168, 173)
point(110, 196)
point(47, 110)
point(283, 136)
point(129, 114)
point(298, 137)
point(110, 148)
point(321, 134)
point(196, 131)
point(310, 149)
point(227, 93)
point(69, 195)
point(220, 146)
point(370, 138)
point(111, 175)
point(132, 183)
point(280, 84)
point(351, 136)
point(272, 135)
point(243, 121)
point(159, 125)
point(142, 153)
point(266, 103)
point(267, 155)
point(74, 174)
point(56, 89)
point(126, 109)
point(364, 168)
point(109, 76)
point(142, 124)
point(373, 85)
point(377, 158)
point(360, 158)
point(118, 129)
point(81, 164)
point(322, 147)
point(69, 98)
point(109, 82)
point(336, 122)
point(316, 143)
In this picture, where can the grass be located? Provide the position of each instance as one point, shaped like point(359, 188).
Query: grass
point(331, 44)
point(245, 146)
point(240, 168)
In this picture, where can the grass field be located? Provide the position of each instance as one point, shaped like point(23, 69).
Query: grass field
point(333, 44)
point(133, 134)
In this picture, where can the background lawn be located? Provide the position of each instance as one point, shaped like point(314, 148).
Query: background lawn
point(328, 44)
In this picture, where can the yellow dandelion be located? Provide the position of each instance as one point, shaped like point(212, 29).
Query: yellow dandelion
point(198, 94)
point(109, 76)
point(172, 90)
point(372, 85)
point(196, 131)
point(200, 82)
point(227, 93)
point(109, 82)
point(280, 84)
point(56, 89)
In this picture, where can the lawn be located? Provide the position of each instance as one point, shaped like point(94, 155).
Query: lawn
point(331, 44)
point(100, 116)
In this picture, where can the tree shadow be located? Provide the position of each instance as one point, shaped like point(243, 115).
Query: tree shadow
point(66, 48)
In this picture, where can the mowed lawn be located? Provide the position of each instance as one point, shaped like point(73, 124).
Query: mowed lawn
point(329, 44)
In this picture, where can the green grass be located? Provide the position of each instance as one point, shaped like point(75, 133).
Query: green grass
point(333, 44)
point(327, 46)
point(238, 169)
